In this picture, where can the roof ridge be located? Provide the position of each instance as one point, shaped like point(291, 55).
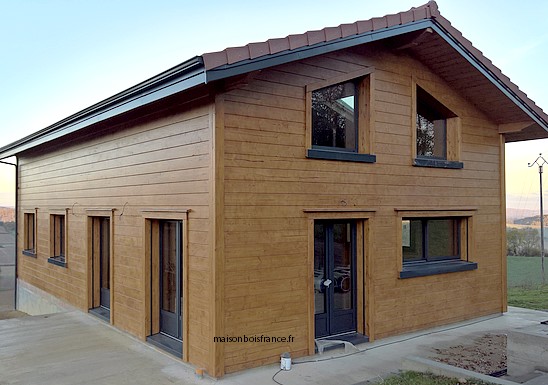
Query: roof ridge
point(254, 50)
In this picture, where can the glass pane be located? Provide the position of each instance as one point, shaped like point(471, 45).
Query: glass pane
point(333, 118)
point(342, 276)
point(319, 268)
point(412, 240)
point(30, 232)
point(105, 252)
point(443, 238)
point(431, 137)
point(169, 265)
point(431, 126)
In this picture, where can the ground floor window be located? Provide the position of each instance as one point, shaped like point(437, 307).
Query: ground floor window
point(431, 239)
point(435, 244)
point(29, 240)
point(58, 240)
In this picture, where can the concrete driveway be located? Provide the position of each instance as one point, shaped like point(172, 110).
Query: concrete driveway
point(75, 348)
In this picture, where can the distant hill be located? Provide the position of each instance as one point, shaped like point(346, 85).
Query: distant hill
point(513, 214)
point(7, 214)
point(533, 221)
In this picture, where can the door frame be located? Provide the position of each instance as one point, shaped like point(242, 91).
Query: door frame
point(363, 218)
point(151, 245)
point(91, 214)
point(330, 313)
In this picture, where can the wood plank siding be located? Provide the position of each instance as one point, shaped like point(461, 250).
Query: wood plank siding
point(145, 163)
point(232, 157)
point(269, 181)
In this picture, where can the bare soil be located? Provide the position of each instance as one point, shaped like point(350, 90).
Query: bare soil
point(486, 354)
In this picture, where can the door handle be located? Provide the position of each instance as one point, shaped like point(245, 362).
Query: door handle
point(327, 282)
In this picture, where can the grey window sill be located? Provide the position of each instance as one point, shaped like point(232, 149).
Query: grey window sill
point(346, 156)
point(58, 261)
point(423, 269)
point(437, 163)
point(29, 253)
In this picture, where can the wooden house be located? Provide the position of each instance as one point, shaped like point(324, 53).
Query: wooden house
point(342, 183)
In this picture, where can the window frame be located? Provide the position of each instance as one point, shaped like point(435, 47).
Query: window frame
point(28, 218)
point(453, 132)
point(363, 112)
point(425, 257)
point(423, 267)
point(59, 238)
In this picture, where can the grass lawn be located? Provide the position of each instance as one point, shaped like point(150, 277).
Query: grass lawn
point(525, 287)
point(525, 271)
point(529, 297)
point(414, 378)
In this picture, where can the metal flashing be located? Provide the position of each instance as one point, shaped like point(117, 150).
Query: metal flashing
point(180, 78)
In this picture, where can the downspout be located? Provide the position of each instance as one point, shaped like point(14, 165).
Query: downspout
point(16, 222)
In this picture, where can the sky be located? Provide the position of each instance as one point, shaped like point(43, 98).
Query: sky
point(58, 57)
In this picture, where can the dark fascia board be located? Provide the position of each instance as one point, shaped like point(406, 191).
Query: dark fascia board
point(284, 57)
point(262, 62)
point(182, 77)
point(192, 73)
point(453, 42)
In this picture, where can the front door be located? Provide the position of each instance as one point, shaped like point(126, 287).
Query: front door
point(171, 294)
point(101, 262)
point(334, 277)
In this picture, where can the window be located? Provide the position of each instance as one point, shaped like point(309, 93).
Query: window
point(430, 239)
point(58, 240)
point(334, 122)
point(29, 241)
point(434, 245)
point(437, 129)
point(338, 118)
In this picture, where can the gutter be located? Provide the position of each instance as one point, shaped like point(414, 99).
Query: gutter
point(186, 75)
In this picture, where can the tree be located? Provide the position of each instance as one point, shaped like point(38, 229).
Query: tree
point(524, 242)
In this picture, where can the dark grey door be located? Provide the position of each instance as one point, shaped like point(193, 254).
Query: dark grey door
point(100, 263)
point(334, 277)
point(171, 237)
point(104, 262)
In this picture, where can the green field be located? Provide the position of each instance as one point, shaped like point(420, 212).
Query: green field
point(525, 287)
point(525, 271)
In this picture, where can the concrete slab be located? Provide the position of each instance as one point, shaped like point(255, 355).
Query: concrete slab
point(528, 350)
point(75, 348)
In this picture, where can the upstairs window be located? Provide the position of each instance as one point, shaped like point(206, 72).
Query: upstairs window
point(338, 118)
point(334, 120)
point(431, 126)
point(437, 133)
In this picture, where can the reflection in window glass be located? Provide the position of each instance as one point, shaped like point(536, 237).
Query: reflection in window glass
point(431, 126)
point(430, 239)
point(333, 117)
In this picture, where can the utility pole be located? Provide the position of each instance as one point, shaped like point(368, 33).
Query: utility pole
point(540, 162)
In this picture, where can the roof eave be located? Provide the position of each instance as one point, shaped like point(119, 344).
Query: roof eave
point(186, 75)
point(287, 56)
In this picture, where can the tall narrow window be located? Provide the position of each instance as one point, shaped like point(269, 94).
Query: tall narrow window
point(334, 122)
point(29, 244)
point(57, 240)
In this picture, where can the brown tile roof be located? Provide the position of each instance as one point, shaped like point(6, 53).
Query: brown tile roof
point(429, 10)
point(291, 42)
